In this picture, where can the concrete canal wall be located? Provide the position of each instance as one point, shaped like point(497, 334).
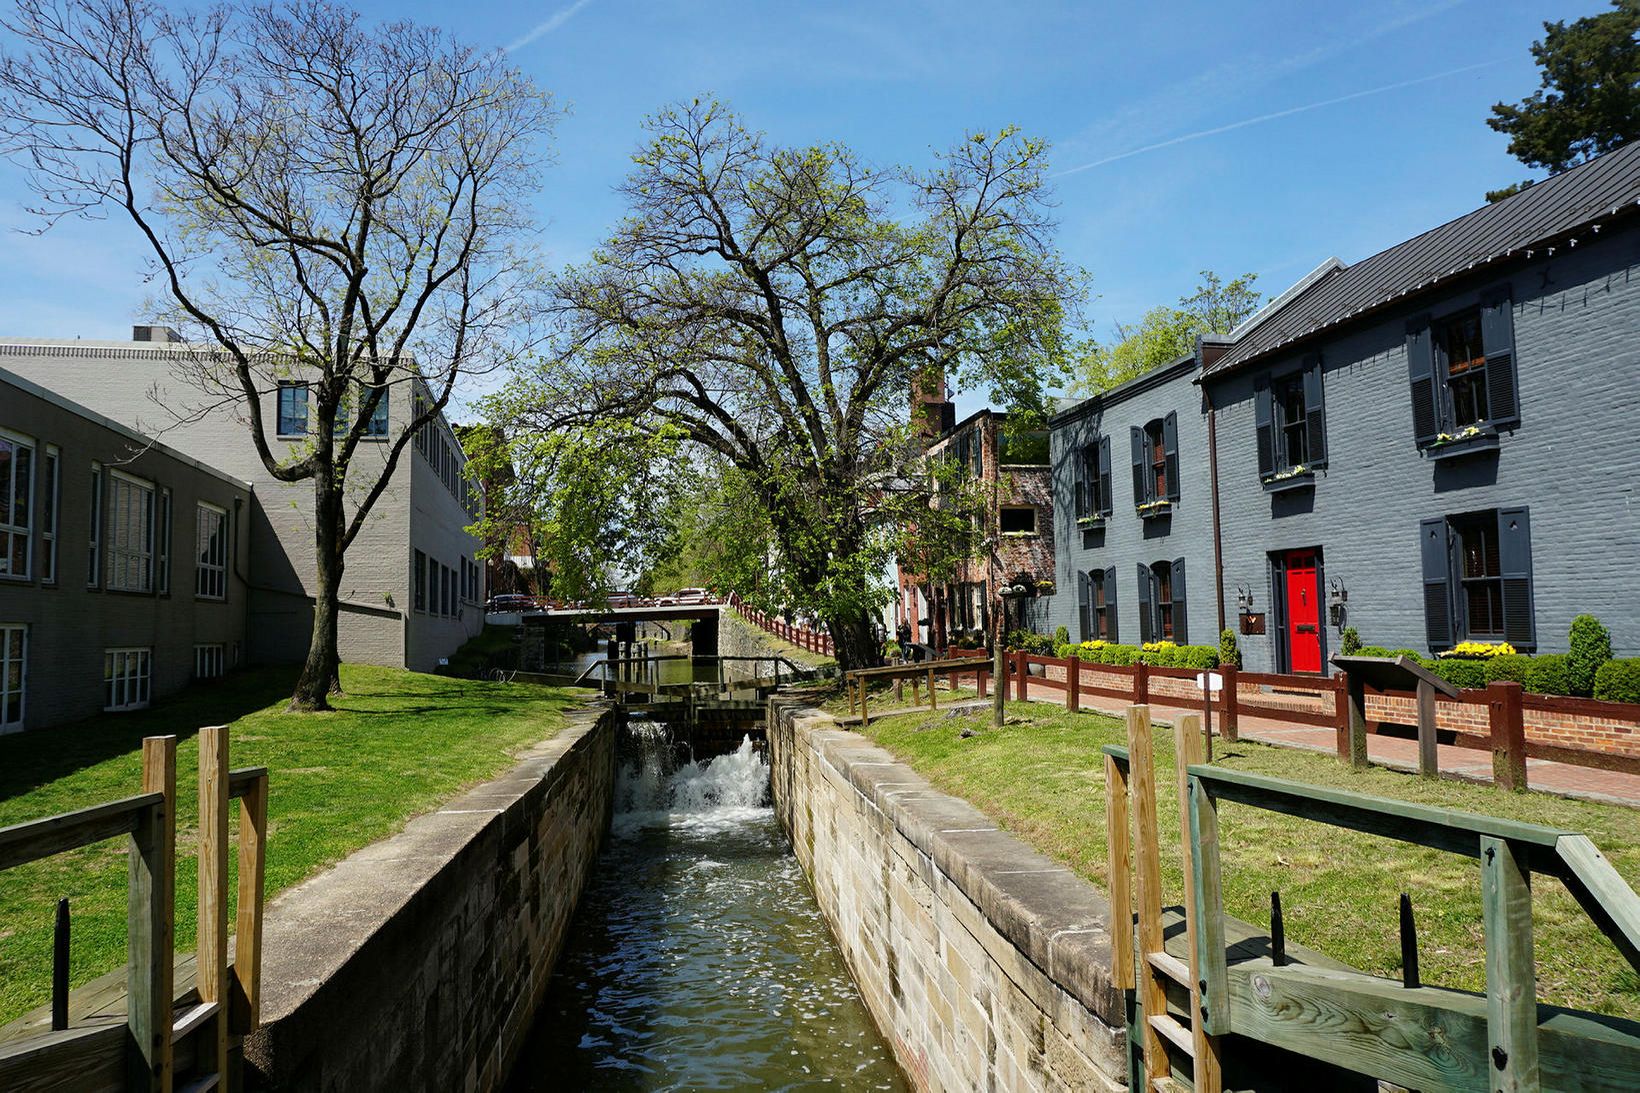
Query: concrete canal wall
point(417, 963)
point(985, 964)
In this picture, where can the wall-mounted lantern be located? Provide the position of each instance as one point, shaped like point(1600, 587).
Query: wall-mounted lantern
point(1337, 598)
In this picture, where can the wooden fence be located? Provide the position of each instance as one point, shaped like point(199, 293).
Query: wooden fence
point(160, 1035)
point(804, 637)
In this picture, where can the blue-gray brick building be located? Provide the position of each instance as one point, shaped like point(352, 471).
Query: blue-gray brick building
point(1435, 444)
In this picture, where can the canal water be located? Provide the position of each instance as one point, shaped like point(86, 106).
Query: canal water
point(698, 958)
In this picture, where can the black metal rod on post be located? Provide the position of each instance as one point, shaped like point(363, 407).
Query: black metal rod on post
point(59, 969)
point(1278, 932)
point(1409, 946)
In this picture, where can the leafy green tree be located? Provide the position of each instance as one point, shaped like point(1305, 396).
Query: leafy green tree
point(322, 200)
point(1589, 101)
point(1167, 333)
point(775, 304)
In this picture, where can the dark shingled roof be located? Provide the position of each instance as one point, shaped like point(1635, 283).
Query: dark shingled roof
point(1565, 203)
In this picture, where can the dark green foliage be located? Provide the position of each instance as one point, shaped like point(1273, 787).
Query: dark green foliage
point(1063, 649)
point(1544, 675)
point(1618, 680)
point(494, 647)
point(1374, 651)
point(1590, 646)
point(1025, 641)
point(1120, 655)
point(1229, 648)
point(1410, 654)
point(1350, 641)
point(1200, 657)
point(1589, 101)
point(1469, 674)
point(1062, 636)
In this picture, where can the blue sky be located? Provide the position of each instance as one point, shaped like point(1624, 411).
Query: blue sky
point(1237, 137)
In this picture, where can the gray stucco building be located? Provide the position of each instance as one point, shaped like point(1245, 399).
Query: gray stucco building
point(123, 563)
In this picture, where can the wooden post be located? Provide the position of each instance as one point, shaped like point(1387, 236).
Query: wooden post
point(933, 695)
point(247, 960)
point(1352, 729)
point(1141, 684)
point(982, 676)
point(1023, 676)
point(1511, 979)
point(150, 926)
point(1152, 991)
point(1508, 735)
point(1073, 684)
point(1229, 728)
point(1212, 974)
point(1429, 759)
point(1189, 748)
point(211, 953)
point(1120, 878)
point(916, 693)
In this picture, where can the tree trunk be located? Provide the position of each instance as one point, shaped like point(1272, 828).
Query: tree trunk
point(321, 672)
point(854, 640)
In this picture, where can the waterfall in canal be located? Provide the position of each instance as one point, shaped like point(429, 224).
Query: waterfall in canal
point(698, 958)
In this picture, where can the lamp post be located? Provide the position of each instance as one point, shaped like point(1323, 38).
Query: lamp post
point(1009, 593)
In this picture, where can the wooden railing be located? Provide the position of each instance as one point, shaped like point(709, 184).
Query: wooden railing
point(804, 637)
point(1404, 1033)
point(858, 682)
point(141, 1055)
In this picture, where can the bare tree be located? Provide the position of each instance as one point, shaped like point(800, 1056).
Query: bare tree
point(324, 201)
point(776, 304)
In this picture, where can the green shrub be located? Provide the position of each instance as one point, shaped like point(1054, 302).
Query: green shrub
point(1590, 646)
point(1545, 675)
point(1460, 673)
point(1618, 680)
point(1200, 657)
point(1122, 656)
point(1062, 636)
point(1374, 651)
point(1025, 641)
point(1065, 649)
point(1350, 642)
point(1412, 655)
point(1229, 648)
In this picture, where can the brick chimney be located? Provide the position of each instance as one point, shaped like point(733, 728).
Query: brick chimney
point(931, 409)
point(154, 334)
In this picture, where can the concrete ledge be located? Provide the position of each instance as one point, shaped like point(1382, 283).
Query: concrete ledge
point(418, 961)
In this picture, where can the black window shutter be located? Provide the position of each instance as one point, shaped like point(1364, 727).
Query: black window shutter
point(1170, 448)
point(1264, 421)
point(1181, 632)
point(1515, 563)
point(1144, 603)
point(1111, 604)
point(1083, 602)
point(1079, 460)
point(1437, 563)
point(1104, 477)
point(1426, 421)
point(1498, 341)
point(1315, 414)
point(1140, 495)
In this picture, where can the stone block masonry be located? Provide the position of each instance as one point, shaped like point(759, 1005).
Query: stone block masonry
point(986, 965)
point(418, 962)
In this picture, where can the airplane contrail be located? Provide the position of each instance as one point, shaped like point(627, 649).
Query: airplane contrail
point(1273, 116)
point(547, 26)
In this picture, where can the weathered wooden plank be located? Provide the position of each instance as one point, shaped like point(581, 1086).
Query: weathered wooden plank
point(1429, 764)
point(1189, 750)
point(151, 900)
point(1604, 894)
point(212, 945)
point(36, 839)
point(1120, 874)
point(1427, 1038)
point(1213, 1002)
point(1422, 825)
point(75, 1060)
point(1147, 850)
point(245, 977)
point(1511, 974)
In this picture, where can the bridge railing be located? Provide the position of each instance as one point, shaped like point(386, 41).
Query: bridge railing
point(804, 637)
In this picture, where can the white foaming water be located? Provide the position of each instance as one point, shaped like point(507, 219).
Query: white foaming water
point(717, 793)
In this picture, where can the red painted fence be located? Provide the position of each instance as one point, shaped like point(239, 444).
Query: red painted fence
point(815, 641)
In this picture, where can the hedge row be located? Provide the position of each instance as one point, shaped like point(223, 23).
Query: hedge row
point(1199, 657)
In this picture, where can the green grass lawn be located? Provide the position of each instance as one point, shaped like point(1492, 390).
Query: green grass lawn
point(1043, 779)
point(397, 744)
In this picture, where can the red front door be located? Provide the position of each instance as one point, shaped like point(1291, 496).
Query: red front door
point(1303, 613)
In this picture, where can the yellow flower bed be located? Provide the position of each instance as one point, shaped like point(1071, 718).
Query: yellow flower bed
point(1479, 650)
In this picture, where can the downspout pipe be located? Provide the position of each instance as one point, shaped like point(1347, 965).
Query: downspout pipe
point(1213, 476)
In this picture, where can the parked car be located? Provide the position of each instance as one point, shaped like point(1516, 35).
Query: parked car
point(508, 602)
point(693, 595)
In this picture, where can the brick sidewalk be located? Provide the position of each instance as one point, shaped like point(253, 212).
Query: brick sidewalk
point(1469, 764)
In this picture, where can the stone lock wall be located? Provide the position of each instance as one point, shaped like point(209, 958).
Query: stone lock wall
point(985, 964)
point(418, 962)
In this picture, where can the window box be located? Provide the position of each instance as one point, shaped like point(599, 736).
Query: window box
point(1474, 440)
point(1293, 478)
point(1090, 523)
point(1149, 510)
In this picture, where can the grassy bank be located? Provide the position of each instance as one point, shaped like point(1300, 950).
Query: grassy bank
point(1043, 779)
point(398, 744)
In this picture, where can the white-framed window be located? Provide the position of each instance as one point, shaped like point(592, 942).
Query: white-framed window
point(209, 661)
point(126, 678)
point(162, 566)
point(13, 674)
point(16, 504)
point(49, 493)
point(130, 533)
point(93, 572)
point(211, 553)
